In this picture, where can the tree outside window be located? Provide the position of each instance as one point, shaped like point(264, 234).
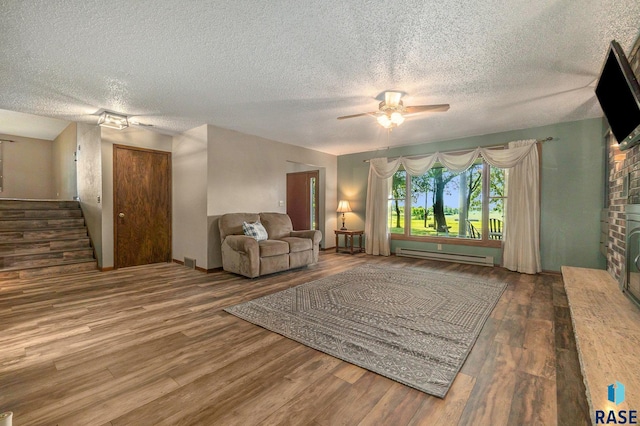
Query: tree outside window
point(447, 204)
point(397, 202)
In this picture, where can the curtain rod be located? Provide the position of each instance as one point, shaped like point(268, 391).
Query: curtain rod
point(550, 138)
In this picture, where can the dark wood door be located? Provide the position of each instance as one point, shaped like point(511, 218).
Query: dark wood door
point(302, 199)
point(142, 206)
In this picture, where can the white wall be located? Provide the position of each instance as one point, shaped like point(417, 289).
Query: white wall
point(89, 175)
point(249, 174)
point(131, 136)
point(189, 176)
point(64, 163)
point(27, 171)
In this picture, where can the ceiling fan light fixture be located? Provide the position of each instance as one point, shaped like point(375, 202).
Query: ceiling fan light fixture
point(397, 118)
point(384, 121)
point(113, 120)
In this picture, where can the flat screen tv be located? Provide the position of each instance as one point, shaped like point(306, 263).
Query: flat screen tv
point(619, 95)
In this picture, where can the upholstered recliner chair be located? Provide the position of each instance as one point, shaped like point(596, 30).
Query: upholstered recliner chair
point(283, 249)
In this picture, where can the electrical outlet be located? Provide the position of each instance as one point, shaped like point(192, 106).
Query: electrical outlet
point(439, 246)
point(281, 203)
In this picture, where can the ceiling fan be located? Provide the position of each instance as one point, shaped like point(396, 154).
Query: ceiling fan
point(392, 113)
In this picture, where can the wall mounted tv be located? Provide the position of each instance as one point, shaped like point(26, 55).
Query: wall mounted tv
point(619, 95)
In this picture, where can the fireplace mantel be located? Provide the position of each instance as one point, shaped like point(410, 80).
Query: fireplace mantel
point(607, 331)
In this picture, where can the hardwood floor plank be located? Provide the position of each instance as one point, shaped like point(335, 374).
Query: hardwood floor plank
point(356, 402)
point(274, 394)
point(436, 411)
point(120, 403)
point(349, 373)
point(542, 300)
point(89, 404)
point(475, 360)
point(152, 345)
point(308, 403)
point(534, 401)
point(30, 393)
point(230, 401)
point(564, 334)
point(496, 382)
point(397, 406)
point(512, 330)
point(211, 388)
point(538, 355)
point(570, 391)
point(500, 310)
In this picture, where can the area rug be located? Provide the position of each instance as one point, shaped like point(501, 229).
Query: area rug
point(411, 325)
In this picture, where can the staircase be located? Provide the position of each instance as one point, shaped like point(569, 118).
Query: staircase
point(43, 238)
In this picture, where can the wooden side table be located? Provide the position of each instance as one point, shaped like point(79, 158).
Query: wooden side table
point(348, 240)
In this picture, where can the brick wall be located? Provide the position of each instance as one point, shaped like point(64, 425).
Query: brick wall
point(622, 164)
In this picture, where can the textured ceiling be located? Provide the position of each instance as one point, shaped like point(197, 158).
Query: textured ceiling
point(284, 71)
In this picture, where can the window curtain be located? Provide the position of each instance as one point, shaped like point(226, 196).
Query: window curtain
point(521, 251)
point(381, 171)
point(376, 225)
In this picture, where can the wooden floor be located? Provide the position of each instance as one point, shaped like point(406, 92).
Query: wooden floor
point(151, 346)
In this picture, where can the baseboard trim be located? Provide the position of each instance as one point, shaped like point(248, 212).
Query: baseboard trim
point(107, 269)
point(199, 269)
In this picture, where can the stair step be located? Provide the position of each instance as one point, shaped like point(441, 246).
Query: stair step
point(68, 267)
point(44, 234)
point(43, 237)
point(14, 224)
point(20, 261)
point(9, 204)
point(39, 213)
point(32, 247)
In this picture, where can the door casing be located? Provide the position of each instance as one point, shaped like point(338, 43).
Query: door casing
point(299, 199)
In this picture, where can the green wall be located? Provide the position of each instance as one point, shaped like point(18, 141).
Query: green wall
point(572, 189)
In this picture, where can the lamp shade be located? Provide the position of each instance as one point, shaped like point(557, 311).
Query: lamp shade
point(343, 206)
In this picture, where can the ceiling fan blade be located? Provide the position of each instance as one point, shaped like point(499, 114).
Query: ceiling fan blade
point(424, 108)
point(356, 115)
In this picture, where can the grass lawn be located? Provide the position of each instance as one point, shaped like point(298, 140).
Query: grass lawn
point(418, 228)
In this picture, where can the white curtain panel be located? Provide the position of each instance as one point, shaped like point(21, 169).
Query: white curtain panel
point(518, 153)
point(521, 250)
point(376, 225)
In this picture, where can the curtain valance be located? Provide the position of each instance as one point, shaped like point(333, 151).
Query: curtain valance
point(500, 158)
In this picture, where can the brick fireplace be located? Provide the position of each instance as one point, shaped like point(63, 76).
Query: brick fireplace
point(624, 188)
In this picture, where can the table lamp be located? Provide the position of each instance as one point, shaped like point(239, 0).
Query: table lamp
point(343, 207)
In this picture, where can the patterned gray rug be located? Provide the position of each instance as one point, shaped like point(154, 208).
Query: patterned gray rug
point(408, 324)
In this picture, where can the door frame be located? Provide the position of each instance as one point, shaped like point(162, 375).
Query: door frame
point(308, 174)
point(115, 203)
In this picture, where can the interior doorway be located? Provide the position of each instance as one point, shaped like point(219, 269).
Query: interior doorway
point(142, 206)
point(303, 199)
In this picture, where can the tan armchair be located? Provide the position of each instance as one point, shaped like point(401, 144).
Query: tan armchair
point(284, 249)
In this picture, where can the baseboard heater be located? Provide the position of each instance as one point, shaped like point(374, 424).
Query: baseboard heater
point(449, 257)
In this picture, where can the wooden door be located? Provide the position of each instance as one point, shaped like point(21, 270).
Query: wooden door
point(142, 206)
point(302, 199)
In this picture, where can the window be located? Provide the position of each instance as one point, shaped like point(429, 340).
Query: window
point(442, 203)
point(397, 202)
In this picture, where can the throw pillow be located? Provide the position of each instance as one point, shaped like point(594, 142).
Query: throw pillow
point(255, 230)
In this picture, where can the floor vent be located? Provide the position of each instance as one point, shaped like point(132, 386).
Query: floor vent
point(450, 257)
point(190, 263)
